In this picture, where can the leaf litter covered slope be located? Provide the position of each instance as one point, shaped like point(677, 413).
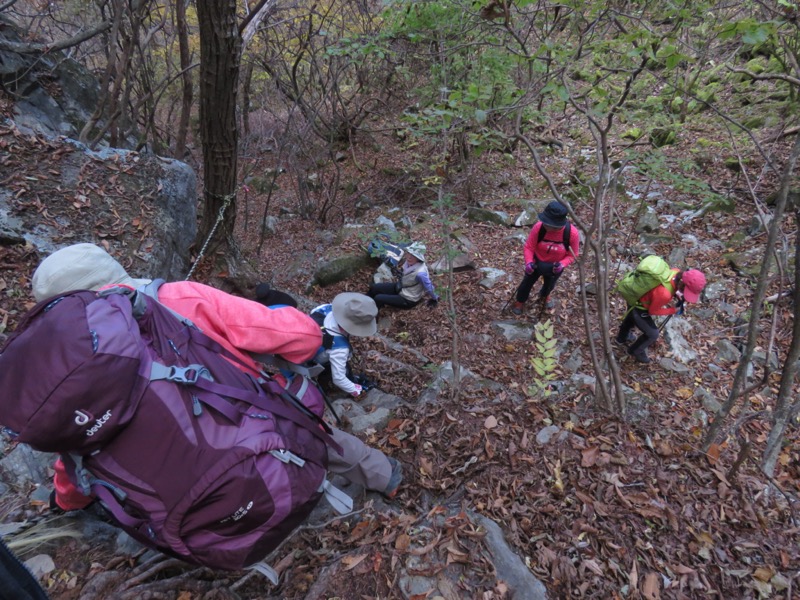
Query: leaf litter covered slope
point(613, 508)
point(607, 508)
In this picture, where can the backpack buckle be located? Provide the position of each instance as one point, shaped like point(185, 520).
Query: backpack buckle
point(186, 375)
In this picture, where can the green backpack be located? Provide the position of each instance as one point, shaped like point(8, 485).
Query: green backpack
point(651, 272)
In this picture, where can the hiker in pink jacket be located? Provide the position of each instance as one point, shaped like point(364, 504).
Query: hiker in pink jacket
point(552, 245)
point(241, 326)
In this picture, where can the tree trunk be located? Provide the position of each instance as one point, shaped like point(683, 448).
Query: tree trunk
point(188, 89)
point(247, 78)
point(756, 306)
point(785, 408)
point(220, 54)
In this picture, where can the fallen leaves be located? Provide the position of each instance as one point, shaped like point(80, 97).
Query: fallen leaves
point(651, 589)
point(713, 452)
point(351, 562)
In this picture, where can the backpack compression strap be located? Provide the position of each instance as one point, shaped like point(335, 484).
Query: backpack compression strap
point(195, 374)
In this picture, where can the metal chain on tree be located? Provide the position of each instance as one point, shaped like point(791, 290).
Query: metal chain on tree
point(226, 201)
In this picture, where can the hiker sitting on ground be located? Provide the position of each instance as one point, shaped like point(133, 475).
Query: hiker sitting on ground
point(552, 245)
point(413, 284)
point(349, 314)
point(685, 286)
point(268, 296)
point(239, 325)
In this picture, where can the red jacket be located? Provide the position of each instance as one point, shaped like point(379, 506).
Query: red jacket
point(551, 249)
point(656, 300)
point(240, 326)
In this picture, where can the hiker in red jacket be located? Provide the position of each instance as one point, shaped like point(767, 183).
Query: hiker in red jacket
point(552, 245)
point(241, 326)
point(685, 286)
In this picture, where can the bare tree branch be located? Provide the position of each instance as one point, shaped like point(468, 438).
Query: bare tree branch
point(767, 76)
point(251, 23)
point(30, 48)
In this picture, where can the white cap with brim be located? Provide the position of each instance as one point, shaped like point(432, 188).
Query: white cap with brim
point(356, 313)
point(417, 250)
point(79, 267)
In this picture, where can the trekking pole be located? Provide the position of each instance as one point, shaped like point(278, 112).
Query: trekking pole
point(327, 402)
point(679, 311)
point(514, 295)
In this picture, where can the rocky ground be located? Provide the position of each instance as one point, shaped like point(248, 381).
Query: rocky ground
point(595, 506)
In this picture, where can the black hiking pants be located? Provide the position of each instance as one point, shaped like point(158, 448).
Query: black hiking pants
point(543, 270)
point(640, 318)
point(385, 294)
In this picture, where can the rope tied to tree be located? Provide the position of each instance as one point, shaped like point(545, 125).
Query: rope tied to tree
point(226, 200)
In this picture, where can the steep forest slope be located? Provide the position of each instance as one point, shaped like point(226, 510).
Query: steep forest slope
point(665, 133)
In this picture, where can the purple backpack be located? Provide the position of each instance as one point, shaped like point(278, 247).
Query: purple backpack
point(189, 454)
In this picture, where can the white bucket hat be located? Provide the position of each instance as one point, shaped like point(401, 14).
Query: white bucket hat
point(356, 313)
point(417, 250)
point(79, 267)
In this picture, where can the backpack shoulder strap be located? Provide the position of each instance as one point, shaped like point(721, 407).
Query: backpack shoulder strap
point(542, 233)
point(151, 290)
point(565, 240)
point(319, 314)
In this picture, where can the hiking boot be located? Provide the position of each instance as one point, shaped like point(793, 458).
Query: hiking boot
point(626, 342)
point(517, 307)
point(548, 303)
point(395, 480)
point(640, 355)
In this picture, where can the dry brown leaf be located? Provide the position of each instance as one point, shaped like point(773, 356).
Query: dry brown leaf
point(713, 453)
point(589, 456)
point(402, 542)
point(683, 570)
point(652, 586)
point(663, 448)
point(490, 422)
point(284, 563)
point(425, 549)
point(633, 576)
point(361, 529)
point(351, 562)
point(377, 562)
point(593, 566)
point(425, 466)
point(764, 574)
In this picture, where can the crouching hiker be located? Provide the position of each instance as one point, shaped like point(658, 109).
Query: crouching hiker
point(552, 246)
point(413, 285)
point(234, 329)
point(269, 296)
point(349, 315)
point(677, 285)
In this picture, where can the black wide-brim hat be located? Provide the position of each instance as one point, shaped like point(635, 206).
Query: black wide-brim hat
point(554, 215)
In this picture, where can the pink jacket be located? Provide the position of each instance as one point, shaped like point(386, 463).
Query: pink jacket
point(243, 326)
point(551, 248)
point(240, 326)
